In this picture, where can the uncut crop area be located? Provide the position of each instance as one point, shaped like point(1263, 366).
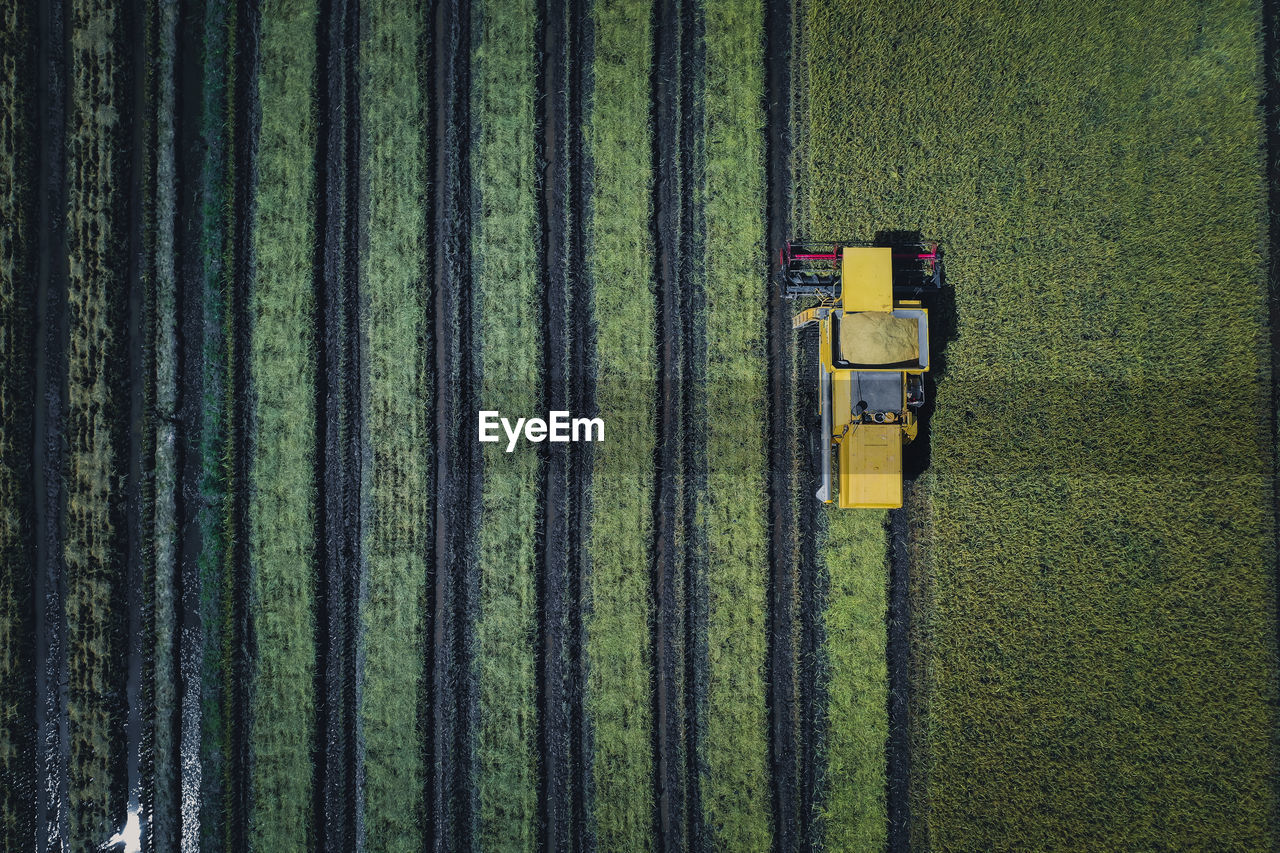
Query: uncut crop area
point(1095, 613)
point(263, 266)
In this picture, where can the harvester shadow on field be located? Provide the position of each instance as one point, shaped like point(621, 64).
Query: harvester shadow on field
point(941, 304)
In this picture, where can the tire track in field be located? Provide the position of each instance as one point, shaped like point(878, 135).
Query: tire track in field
point(149, 421)
point(190, 282)
point(813, 675)
point(669, 793)
point(553, 161)
point(781, 482)
point(899, 757)
point(582, 402)
point(240, 649)
point(452, 807)
point(1271, 131)
point(812, 661)
point(339, 417)
point(216, 224)
point(49, 588)
point(359, 452)
point(163, 808)
point(18, 781)
point(138, 420)
point(694, 673)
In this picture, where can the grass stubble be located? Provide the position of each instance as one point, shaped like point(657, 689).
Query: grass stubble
point(737, 739)
point(94, 522)
point(505, 265)
point(282, 469)
point(399, 430)
point(619, 598)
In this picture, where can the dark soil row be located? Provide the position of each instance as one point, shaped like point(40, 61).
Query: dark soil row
point(339, 400)
point(147, 137)
point(17, 308)
point(451, 795)
point(693, 674)
point(813, 582)
point(669, 793)
point(138, 449)
point(160, 799)
point(238, 639)
point(212, 482)
point(581, 338)
point(920, 602)
point(552, 658)
point(899, 756)
point(49, 583)
point(192, 280)
point(358, 451)
point(781, 441)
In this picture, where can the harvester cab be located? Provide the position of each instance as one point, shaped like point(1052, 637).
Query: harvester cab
point(873, 352)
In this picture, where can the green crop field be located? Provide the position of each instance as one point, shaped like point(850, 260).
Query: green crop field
point(283, 366)
point(1099, 658)
point(262, 265)
point(506, 268)
point(737, 542)
point(399, 432)
point(622, 488)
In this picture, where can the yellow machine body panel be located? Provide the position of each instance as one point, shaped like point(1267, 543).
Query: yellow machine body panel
point(871, 467)
point(868, 454)
point(873, 351)
point(866, 278)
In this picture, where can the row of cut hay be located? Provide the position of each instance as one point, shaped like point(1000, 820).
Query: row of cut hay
point(95, 381)
point(282, 469)
point(505, 266)
point(737, 739)
point(399, 429)
point(1101, 614)
point(618, 645)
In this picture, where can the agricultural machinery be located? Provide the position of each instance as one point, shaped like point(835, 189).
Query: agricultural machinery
point(873, 352)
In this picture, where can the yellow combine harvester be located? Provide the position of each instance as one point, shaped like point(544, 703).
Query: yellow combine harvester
point(873, 353)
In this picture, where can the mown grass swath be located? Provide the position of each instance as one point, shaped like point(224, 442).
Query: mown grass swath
point(17, 747)
point(399, 431)
point(618, 698)
point(853, 812)
point(737, 801)
point(1101, 634)
point(282, 470)
point(505, 264)
point(96, 233)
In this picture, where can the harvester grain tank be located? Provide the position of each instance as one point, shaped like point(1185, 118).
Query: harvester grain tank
point(873, 352)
